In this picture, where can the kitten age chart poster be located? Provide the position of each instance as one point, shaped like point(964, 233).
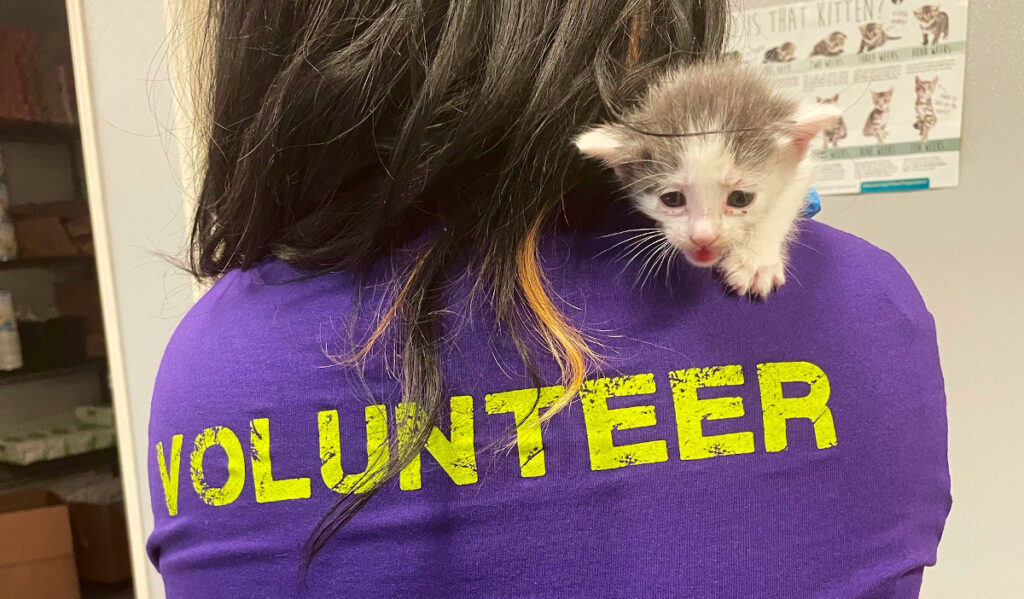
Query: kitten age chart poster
point(894, 67)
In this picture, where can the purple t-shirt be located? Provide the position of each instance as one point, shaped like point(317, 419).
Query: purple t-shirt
point(791, 448)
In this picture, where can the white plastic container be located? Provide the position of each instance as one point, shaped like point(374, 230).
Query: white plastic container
point(10, 344)
point(8, 243)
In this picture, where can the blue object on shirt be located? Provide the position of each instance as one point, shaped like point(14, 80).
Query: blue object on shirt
point(812, 203)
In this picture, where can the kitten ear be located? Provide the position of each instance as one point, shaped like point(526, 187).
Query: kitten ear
point(810, 120)
point(935, 81)
point(603, 143)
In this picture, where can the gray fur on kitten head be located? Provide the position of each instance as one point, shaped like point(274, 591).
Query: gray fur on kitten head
point(728, 97)
point(727, 187)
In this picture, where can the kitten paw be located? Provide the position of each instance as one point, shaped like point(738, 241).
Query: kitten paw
point(757, 280)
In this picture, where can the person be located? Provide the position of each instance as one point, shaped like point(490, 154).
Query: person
point(424, 371)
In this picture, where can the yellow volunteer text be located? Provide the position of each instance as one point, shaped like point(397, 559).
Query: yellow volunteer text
point(456, 450)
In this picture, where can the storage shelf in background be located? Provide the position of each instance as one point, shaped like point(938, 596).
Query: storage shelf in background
point(46, 262)
point(24, 375)
point(36, 131)
point(52, 437)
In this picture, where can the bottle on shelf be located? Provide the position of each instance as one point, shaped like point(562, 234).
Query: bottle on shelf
point(10, 343)
point(8, 243)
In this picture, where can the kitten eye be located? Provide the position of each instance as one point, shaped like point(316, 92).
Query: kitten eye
point(673, 199)
point(740, 199)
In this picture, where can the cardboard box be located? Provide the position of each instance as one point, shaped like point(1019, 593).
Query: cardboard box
point(82, 298)
point(101, 542)
point(43, 237)
point(36, 553)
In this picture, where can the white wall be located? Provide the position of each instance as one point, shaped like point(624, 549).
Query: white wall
point(136, 200)
point(964, 247)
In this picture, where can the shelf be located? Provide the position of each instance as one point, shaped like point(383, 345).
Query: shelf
point(52, 261)
point(23, 375)
point(52, 437)
point(37, 131)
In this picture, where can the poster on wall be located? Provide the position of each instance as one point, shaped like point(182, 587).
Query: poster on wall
point(894, 67)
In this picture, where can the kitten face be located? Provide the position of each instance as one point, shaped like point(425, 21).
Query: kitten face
point(882, 100)
point(926, 13)
point(713, 193)
point(706, 200)
point(870, 31)
point(924, 87)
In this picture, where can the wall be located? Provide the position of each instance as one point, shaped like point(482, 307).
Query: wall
point(136, 200)
point(963, 247)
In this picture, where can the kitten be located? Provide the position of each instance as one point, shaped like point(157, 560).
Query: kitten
point(727, 184)
point(878, 120)
point(873, 36)
point(784, 53)
point(933, 21)
point(925, 111)
point(837, 132)
point(831, 45)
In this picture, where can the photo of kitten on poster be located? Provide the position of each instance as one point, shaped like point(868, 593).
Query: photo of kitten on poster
point(873, 36)
point(926, 118)
point(837, 131)
point(878, 121)
point(784, 53)
point(833, 45)
point(932, 21)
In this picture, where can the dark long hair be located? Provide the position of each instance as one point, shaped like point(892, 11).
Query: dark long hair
point(339, 131)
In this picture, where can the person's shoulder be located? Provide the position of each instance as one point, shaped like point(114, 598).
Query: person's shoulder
point(247, 316)
point(233, 304)
point(848, 268)
point(845, 251)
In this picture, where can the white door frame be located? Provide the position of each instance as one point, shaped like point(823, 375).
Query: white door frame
point(137, 209)
point(130, 481)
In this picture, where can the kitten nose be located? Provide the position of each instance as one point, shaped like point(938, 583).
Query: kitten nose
point(703, 239)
